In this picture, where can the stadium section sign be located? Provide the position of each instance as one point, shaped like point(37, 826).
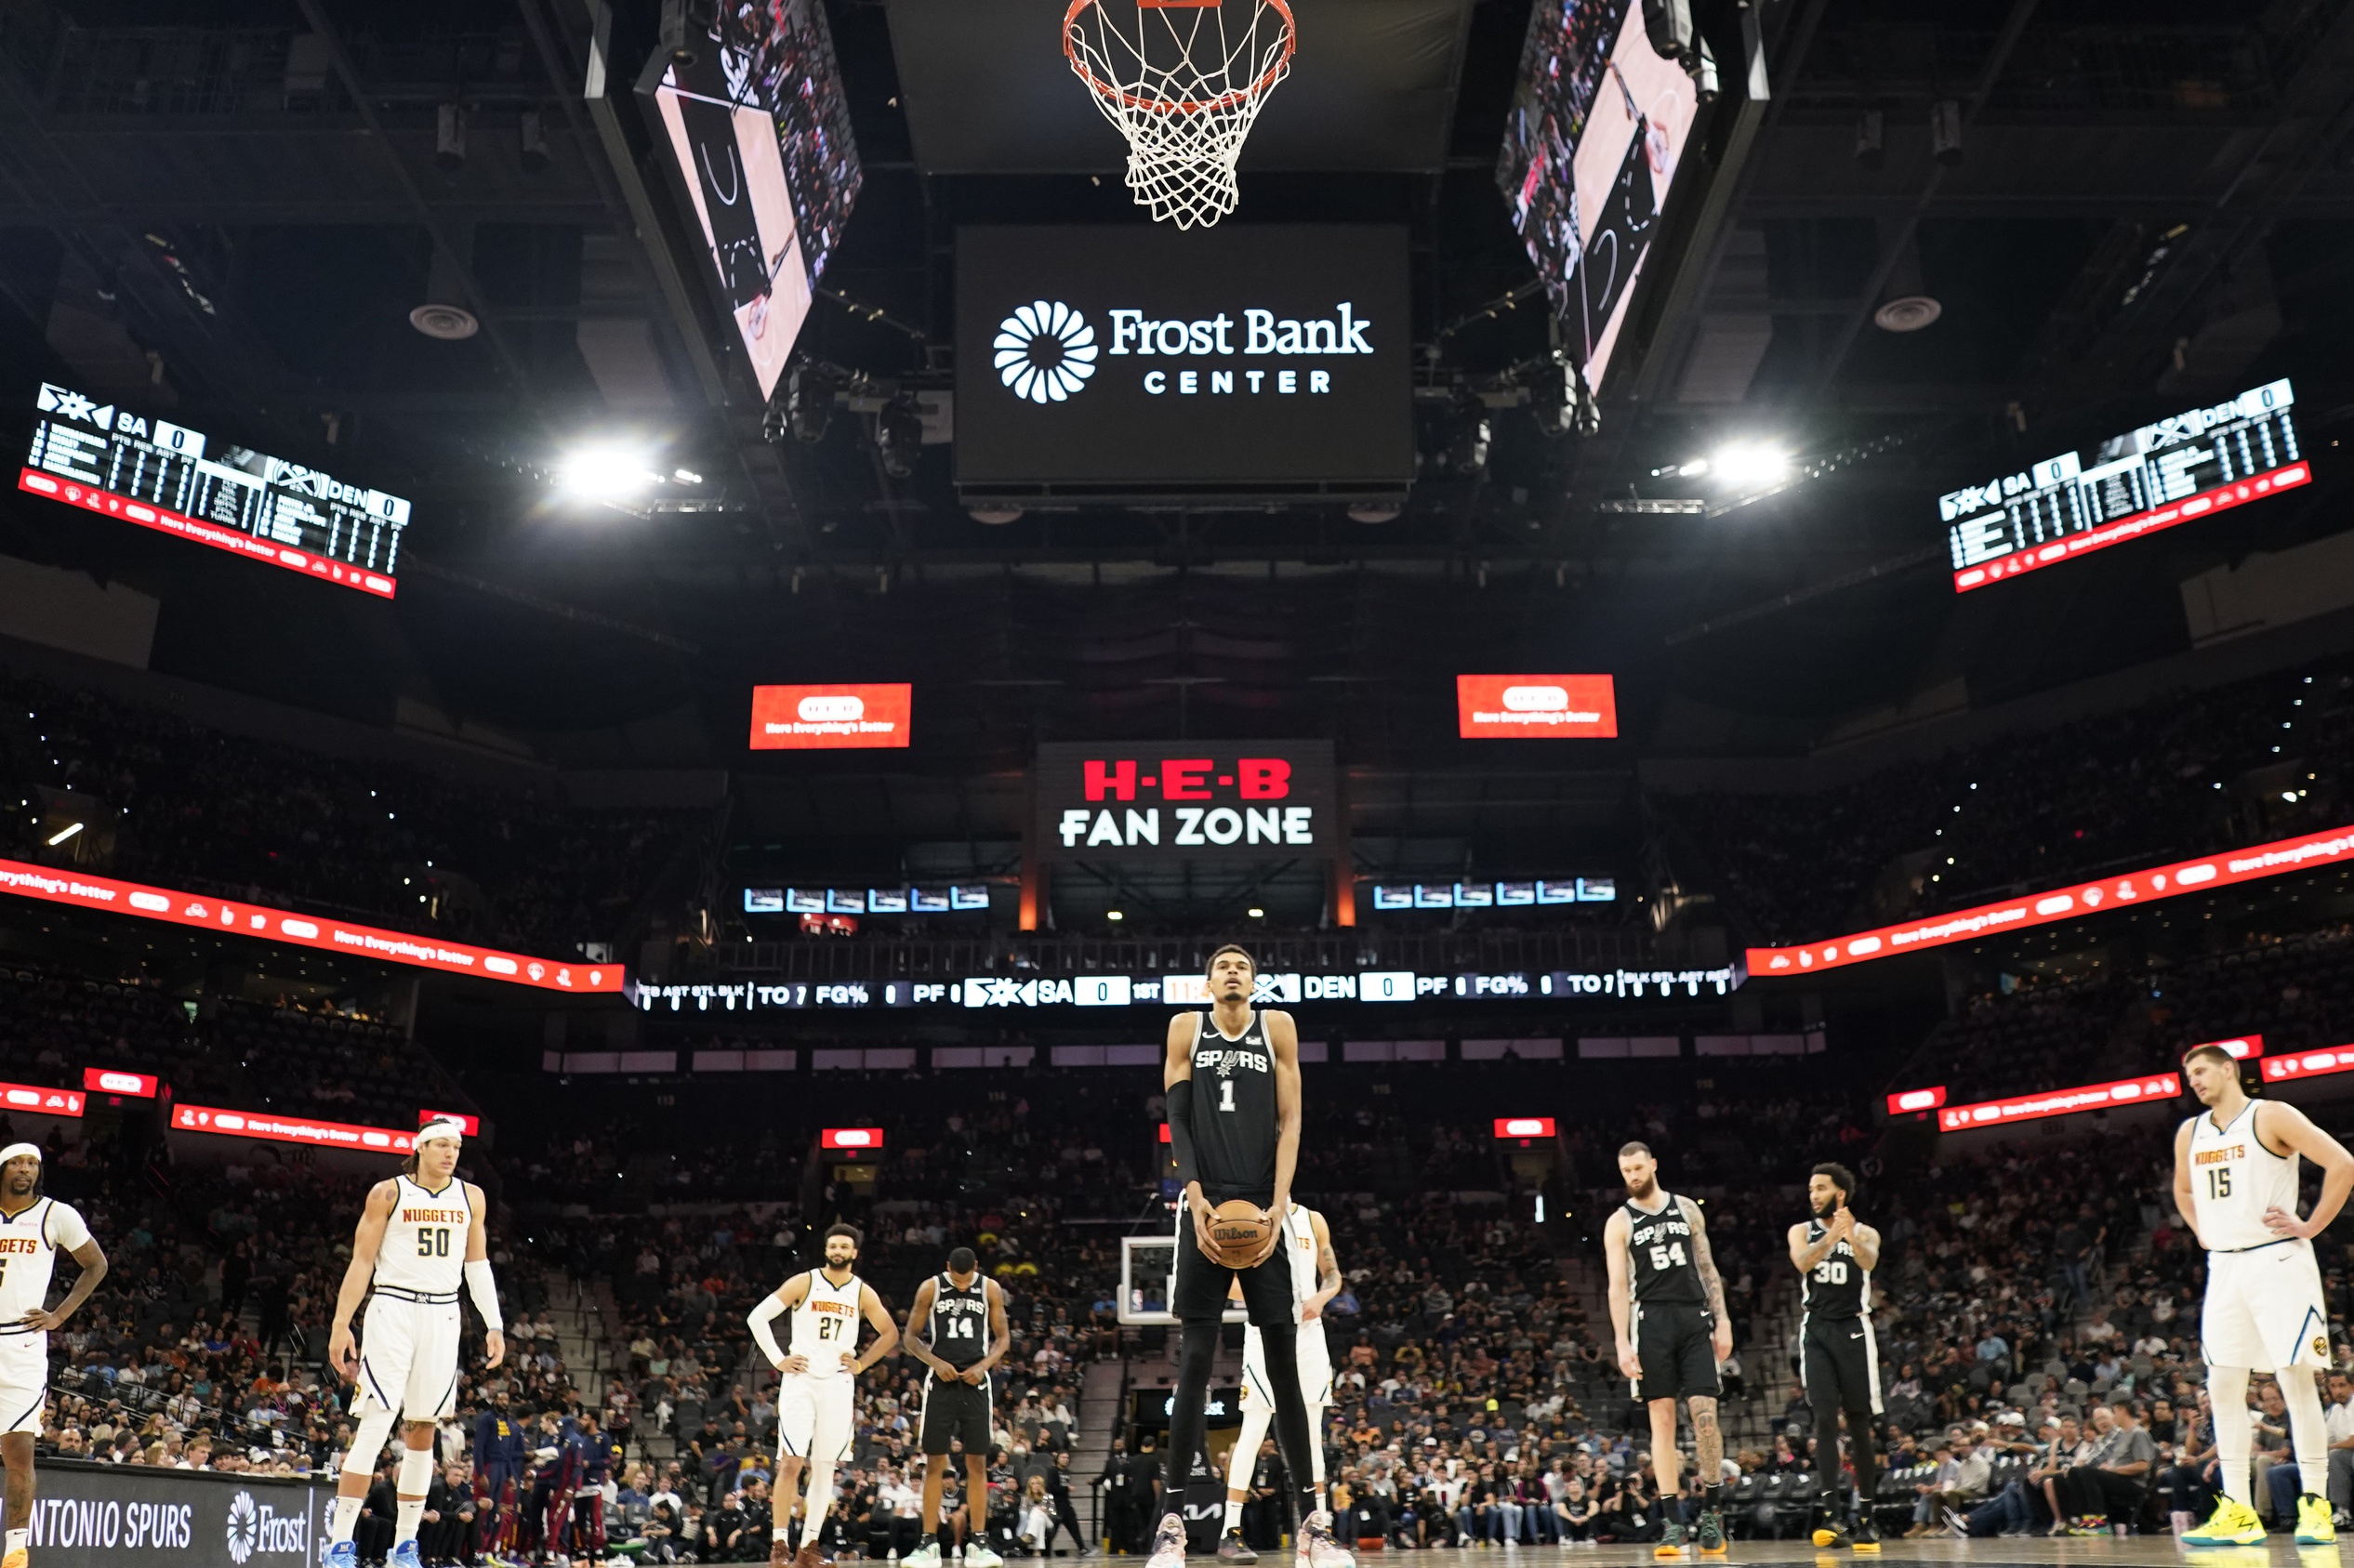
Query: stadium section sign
point(110, 1516)
point(2334, 847)
point(1140, 356)
point(260, 921)
point(1185, 801)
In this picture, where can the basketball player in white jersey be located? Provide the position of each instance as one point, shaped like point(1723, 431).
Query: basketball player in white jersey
point(1315, 1279)
point(2235, 1182)
point(423, 1234)
point(815, 1389)
point(32, 1230)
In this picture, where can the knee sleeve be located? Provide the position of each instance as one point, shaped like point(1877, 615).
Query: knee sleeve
point(416, 1472)
point(1867, 1458)
point(367, 1443)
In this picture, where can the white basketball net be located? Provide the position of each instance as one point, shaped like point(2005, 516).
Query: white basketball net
point(1183, 82)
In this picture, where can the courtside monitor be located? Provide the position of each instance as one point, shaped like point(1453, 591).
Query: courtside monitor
point(755, 131)
point(1591, 143)
point(830, 718)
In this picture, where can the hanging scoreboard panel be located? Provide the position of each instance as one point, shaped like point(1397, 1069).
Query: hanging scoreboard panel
point(171, 479)
point(2175, 470)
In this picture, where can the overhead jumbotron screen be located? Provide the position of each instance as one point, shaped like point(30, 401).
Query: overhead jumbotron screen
point(757, 133)
point(1596, 130)
point(155, 474)
point(2164, 474)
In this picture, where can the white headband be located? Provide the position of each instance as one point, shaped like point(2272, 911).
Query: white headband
point(20, 1150)
point(441, 1126)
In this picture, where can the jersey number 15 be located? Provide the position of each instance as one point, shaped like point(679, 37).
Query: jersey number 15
point(2219, 1181)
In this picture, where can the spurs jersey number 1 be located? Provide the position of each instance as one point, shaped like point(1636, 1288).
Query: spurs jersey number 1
point(29, 1247)
point(424, 1250)
point(2234, 1179)
point(825, 1324)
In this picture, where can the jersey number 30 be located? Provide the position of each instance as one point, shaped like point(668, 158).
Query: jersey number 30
point(433, 1242)
point(1832, 1271)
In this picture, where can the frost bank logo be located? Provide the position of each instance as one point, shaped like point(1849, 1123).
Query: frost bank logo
point(244, 1527)
point(1045, 351)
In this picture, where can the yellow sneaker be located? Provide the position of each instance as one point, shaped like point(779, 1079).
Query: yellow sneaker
point(2233, 1524)
point(2314, 1527)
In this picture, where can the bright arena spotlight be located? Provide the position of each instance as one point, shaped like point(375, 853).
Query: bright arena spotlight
point(871, 939)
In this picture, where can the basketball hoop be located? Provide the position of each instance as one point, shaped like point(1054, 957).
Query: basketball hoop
point(1183, 88)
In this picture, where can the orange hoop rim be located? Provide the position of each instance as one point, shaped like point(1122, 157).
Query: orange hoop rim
point(1121, 96)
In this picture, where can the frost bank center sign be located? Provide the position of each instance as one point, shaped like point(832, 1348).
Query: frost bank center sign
point(1271, 354)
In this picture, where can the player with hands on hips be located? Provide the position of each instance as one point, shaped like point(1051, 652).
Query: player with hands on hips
point(33, 1230)
point(816, 1376)
point(423, 1236)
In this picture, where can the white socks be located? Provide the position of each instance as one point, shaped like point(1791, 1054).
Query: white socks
point(347, 1518)
point(2308, 1429)
point(2235, 1430)
point(1233, 1514)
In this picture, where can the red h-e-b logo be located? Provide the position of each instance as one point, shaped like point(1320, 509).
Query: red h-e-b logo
point(1190, 778)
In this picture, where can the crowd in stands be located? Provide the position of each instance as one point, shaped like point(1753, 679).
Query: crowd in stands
point(292, 1058)
point(2099, 1023)
point(2158, 783)
point(200, 809)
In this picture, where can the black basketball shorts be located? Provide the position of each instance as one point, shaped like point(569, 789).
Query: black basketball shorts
point(1200, 1292)
point(1839, 1361)
point(1674, 1342)
point(955, 1412)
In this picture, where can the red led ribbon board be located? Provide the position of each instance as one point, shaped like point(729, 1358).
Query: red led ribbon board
point(1525, 708)
point(292, 1130)
point(852, 1137)
point(2334, 847)
point(147, 514)
point(1906, 1101)
point(40, 1101)
point(2243, 1048)
point(469, 1125)
point(2307, 1064)
point(829, 718)
point(264, 923)
point(1524, 1126)
point(2060, 1102)
point(2125, 530)
point(116, 1080)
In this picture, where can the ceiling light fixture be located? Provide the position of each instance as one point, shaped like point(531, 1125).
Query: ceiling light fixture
point(65, 833)
point(604, 473)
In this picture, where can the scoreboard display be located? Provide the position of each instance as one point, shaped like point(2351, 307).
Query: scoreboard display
point(2168, 472)
point(176, 480)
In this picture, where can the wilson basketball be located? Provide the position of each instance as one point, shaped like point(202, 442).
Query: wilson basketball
point(1237, 1232)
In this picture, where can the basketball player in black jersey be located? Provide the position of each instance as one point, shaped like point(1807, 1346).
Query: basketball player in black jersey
point(1839, 1361)
point(965, 1336)
point(1233, 1083)
point(1667, 1306)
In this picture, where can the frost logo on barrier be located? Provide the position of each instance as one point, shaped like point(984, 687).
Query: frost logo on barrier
point(1045, 351)
point(244, 1527)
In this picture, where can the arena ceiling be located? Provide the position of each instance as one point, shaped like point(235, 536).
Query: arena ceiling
point(228, 209)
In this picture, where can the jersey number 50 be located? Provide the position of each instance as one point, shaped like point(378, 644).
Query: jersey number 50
point(433, 1242)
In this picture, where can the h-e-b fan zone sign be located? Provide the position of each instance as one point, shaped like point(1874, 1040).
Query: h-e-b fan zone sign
point(1185, 799)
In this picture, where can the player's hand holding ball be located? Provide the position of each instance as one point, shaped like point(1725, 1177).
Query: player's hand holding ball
point(1239, 1235)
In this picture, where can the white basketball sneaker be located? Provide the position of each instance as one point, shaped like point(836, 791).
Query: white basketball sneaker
point(1317, 1549)
point(978, 1555)
point(1168, 1544)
